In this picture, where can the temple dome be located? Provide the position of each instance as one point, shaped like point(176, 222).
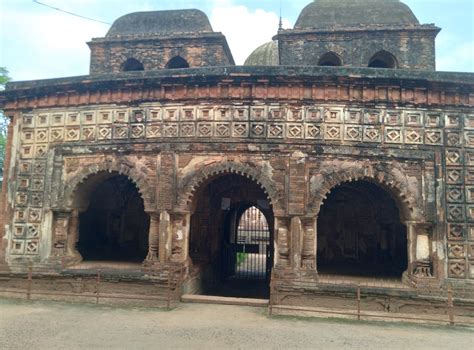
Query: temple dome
point(164, 23)
point(330, 14)
point(264, 55)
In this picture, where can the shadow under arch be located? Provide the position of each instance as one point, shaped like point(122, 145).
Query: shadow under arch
point(404, 206)
point(361, 231)
point(330, 59)
point(383, 59)
point(104, 170)
point(177, 62)
point(196, 180)
point(113, 224)
point(132, 64)
point(394, 181)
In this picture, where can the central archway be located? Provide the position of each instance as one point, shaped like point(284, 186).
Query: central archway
point(360, 232)
point(113, 225)
point(231, 236)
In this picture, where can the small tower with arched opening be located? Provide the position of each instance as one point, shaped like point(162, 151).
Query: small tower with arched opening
point(159, 40)
point(364, 33)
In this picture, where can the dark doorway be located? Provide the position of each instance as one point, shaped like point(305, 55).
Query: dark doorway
point(360, 232)
point(231, 239)
point(114, 227)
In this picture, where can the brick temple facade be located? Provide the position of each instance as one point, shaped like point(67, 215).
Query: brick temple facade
point(355, 153)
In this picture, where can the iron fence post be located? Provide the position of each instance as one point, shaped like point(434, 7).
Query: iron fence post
point(168, 301)
point(97, 287)
point(358, 302)
point(30, 281)
point(270, 301)
point(450, 305)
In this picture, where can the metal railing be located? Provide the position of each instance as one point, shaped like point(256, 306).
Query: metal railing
point(169, 286)
point(448, 304)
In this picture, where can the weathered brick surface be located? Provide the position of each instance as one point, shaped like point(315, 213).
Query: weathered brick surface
point(413, 49)
point(169, 142)
point(153, 38)
point(355, 30)
point(210, 49)
point(283, 136)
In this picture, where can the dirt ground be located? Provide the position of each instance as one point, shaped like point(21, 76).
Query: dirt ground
point(50, 325)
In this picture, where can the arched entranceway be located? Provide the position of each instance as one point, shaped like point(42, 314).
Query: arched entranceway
point(360, 233)
point(246, 244)
point(113, 225)
point(231, 237)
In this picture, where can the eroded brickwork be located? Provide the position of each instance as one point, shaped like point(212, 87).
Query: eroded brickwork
point(412, 49)
point(297, 151)
point(108, 55)
point(198, 146)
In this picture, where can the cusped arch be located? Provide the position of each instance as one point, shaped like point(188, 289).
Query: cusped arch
point(397, 186)
point(138, 178)
point(193, 181)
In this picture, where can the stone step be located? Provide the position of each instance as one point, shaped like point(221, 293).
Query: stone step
point(210, 299)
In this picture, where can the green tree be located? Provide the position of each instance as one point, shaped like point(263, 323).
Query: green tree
point(4, 78)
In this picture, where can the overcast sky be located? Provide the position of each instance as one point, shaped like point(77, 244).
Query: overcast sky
point(38, 42)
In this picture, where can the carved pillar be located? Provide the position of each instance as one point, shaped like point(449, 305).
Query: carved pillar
point(296, 242)
point(180, 237)
point(282, 244)
point(61, 223)
point(5, 209)
point(65, 236)
point(419, 249)
point(153, 238)
point(423, 262)
point(295, 247)
point(164, 246)
point(72, 254)
point(308, 254)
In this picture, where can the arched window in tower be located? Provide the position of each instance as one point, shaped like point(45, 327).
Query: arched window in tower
point(330, 59)
point(177, 62)
point(383, 59)
point(132, 64)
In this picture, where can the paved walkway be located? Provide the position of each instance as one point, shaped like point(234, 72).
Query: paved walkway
point(48, 325)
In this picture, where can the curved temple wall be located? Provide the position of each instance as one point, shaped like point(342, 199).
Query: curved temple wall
point(297, 132)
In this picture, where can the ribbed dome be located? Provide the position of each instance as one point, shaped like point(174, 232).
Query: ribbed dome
point(160, 23)
point(328, 14)
point(265, 55)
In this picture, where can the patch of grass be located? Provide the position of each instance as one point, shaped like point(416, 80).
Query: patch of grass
point(240, 258)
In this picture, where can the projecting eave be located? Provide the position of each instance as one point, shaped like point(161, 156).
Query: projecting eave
point(456, 82)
